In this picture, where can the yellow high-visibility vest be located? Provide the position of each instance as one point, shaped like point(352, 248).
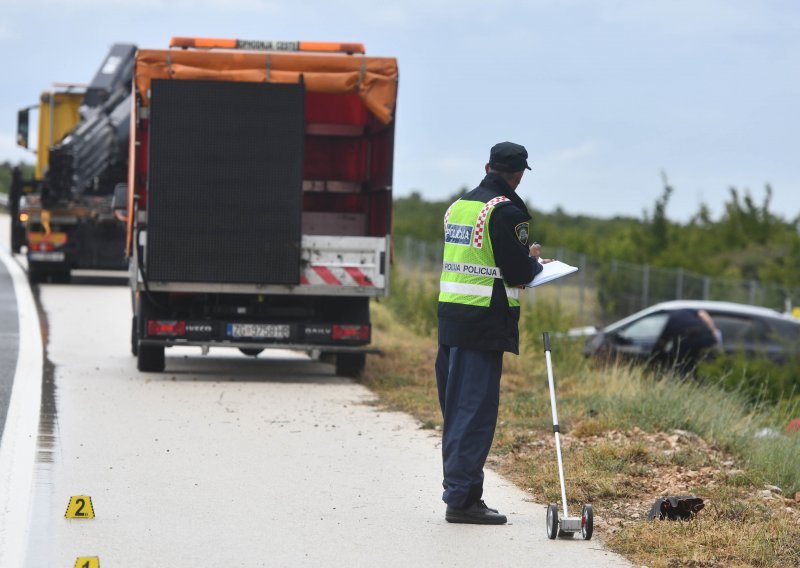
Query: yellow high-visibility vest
point(468, 268)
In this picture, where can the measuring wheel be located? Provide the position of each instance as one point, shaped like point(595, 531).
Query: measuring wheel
point(587, 522)
point(552, 521)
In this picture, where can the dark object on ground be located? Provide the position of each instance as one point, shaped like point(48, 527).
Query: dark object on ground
point(476, 514)
point(676, 508)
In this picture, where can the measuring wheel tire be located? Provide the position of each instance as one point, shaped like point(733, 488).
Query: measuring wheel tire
point(552, 521)
point(587, 522)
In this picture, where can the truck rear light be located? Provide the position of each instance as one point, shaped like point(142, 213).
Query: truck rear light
point(350, 333)
point(42, 247)
point(170, 328)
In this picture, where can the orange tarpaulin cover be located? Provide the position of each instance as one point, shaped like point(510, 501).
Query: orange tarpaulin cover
point(373, 78)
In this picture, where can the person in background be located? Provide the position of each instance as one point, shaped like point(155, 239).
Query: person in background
point(686, 339)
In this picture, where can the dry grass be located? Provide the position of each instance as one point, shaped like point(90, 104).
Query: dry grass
point(628, 439)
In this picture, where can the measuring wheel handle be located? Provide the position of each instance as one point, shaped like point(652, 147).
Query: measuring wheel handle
point(552, 521)
point(587, 522)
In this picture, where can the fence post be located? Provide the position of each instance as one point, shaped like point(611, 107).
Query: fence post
point(581, 286)
point(645, 286)
point(679, 284)
point(706, 287)
point(753, 285)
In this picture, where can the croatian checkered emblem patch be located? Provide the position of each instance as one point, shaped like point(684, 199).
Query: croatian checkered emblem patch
point(522, 232)
point(481, 222)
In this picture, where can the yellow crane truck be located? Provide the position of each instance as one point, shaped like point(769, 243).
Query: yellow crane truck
point(64, 215)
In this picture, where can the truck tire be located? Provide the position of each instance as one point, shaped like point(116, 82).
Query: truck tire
point(150, 359)
point(62, 277)
point(250, 351)
point(350, 364)
point(17, 238)
point(134, 337)
point(35, 275)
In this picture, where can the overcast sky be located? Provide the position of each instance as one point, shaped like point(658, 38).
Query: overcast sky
point(605, 94)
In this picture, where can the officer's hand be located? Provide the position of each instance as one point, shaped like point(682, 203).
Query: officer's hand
point(534, 252)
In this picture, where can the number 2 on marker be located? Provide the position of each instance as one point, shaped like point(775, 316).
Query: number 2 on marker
point(80, 507)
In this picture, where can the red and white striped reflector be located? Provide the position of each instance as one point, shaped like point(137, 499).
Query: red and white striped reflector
point(335, 276)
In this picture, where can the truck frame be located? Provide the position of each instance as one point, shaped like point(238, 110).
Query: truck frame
point(259, 198)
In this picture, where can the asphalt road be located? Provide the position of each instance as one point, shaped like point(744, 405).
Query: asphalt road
point(225, 460)
point(9, 340)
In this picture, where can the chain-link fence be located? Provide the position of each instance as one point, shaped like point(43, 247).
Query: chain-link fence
point(601, 292)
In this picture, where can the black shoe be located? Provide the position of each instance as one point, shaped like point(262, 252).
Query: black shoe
point(483, 504)
point(476, 514)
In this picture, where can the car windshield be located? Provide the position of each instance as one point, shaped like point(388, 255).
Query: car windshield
point(646, 330)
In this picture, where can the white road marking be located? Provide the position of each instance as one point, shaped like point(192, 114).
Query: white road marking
point(18, 446)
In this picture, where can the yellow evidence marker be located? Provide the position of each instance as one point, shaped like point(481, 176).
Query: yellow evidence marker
point(80, 507)
point(87, 562)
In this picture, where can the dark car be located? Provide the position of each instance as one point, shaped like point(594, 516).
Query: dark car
point(675, 333)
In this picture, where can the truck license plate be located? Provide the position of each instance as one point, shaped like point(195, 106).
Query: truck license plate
point(46, 256)
point(258, 331)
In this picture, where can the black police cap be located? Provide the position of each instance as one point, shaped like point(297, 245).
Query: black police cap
point(508, 157)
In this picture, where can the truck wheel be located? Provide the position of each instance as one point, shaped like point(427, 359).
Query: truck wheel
point(36, 275)
point(250, 351)
point(17, 239)
point(150, 358)
point(350, 364)
point(134, 337)
point(62, 277)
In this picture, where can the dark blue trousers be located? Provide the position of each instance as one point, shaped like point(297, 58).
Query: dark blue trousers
point(469, 395)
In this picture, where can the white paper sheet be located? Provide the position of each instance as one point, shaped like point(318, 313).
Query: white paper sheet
point(551, 271)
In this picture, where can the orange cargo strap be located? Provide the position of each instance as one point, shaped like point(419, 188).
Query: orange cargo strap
point(266, 45)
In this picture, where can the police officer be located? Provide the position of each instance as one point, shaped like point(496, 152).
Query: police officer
point(487, 259)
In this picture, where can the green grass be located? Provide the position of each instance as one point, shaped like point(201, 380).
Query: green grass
point(620, 397)
point(618, 425)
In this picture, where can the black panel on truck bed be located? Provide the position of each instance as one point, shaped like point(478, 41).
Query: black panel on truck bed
point(225, 182)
